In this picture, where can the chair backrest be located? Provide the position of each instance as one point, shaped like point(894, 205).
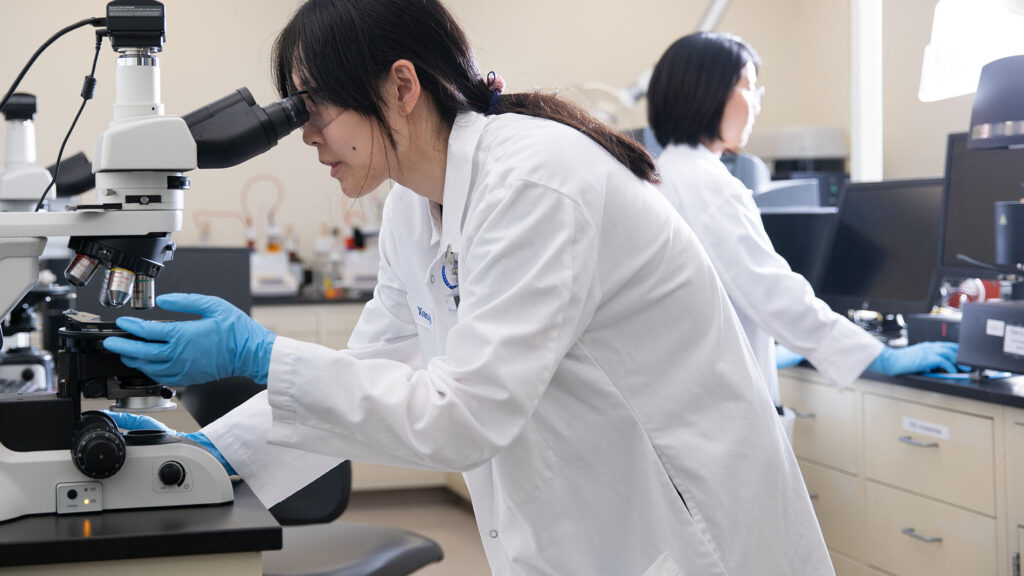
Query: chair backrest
point(322, 500)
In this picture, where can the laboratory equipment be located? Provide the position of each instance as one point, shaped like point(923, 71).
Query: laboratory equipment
point(997, 113)
point(975, 181)
point(805, 153)
point(21, 180)
point(992, 336)
point(884, 256)
point(803, 237)
point(53, 458)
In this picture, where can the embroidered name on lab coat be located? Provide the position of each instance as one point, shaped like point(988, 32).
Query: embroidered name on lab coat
point(424, 315)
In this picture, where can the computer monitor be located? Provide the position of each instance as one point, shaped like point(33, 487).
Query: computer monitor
point(975, 181)
point(885, 253)
point(803, 236)
point(222, 272)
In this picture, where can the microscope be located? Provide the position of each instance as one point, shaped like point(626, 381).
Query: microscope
point(23, 367)
point(54, 457)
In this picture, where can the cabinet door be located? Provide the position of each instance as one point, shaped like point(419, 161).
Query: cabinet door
point(839, 506)
point(909, 535)
point(295, 321)
point(336, 322)
point(1015, 451)
point(827, 428)
point(936, 452)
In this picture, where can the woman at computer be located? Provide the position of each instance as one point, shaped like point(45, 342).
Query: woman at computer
point(702, 100)
point(542, 322)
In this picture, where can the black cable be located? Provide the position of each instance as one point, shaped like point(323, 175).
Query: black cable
point(88, 90)
point(1004, 269)
point(32, 60)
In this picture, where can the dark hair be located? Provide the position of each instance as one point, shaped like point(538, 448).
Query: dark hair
point(340, 50)
point(691, 84)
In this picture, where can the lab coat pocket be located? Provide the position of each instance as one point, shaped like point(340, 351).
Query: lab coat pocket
point(665, 565)
point(525, 466)
point(423, 315)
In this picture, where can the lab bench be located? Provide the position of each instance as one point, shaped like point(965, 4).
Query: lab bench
point(222, 540)
point(330, 323)
point(913, 475)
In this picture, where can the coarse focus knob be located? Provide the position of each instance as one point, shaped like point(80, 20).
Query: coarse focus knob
point(172, 473)
point(97, 448)
point(98, 453)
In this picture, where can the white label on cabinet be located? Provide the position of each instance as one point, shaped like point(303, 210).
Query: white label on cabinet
point(926, 428)
point(994, 327)
point(1013, 343)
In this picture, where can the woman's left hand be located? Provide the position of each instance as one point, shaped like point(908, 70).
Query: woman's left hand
point(224, 342)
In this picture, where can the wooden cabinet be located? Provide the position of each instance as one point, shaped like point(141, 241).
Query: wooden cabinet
point(827, 427)
point(907, 482)
point(910, 534)
point(932, 451)
point(839, 506)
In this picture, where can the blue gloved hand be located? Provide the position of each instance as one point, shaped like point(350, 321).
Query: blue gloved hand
point(784, 357)
point(917, 358)
point(224, 342)
point(126, 421)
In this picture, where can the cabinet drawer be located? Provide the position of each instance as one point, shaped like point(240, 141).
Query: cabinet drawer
point(940, 453)
point(967, 545)
point(839, 506)
point(846, 567)
point(827, 428)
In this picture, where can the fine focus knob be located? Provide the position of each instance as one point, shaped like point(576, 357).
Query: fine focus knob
point(98, 453)
point(172, 473)
point(97, 448)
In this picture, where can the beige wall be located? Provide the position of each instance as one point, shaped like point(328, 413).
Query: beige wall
point(914, 132)
point(214, 47)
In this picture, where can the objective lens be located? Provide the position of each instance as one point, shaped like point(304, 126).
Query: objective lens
point(144, 296)
point(104, 301)
point(81, 269)
point(119, 286)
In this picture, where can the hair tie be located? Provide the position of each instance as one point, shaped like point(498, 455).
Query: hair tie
point(495, 84)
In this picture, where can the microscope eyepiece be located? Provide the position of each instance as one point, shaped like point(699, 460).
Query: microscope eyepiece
point(235, 128)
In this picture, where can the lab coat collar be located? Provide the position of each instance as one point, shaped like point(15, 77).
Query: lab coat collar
point(462, 144)
point(688, 151)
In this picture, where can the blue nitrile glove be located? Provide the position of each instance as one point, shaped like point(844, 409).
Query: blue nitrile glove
point(126, 421)
point(784, 357)
point(917, 358)
point(224, 342)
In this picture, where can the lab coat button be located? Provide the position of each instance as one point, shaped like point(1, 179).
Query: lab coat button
point(432, 279)
point(494, 533)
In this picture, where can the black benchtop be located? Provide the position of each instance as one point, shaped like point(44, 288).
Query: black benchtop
point(1004, 391)
point(350, 297)
point(242, 526)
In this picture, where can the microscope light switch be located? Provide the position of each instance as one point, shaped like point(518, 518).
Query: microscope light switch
point(77, 497)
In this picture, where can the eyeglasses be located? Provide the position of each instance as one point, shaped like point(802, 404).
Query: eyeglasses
point(754, 95)
point(320, 115)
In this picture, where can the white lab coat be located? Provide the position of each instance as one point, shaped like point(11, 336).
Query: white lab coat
point(770, 299)
point(592, 379)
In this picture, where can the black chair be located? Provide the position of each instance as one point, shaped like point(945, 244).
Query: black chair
point(314, 542)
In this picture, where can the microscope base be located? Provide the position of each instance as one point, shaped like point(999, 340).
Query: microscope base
point(47, 481)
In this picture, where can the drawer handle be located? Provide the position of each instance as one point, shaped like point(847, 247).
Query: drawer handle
point(918, 443)
point(930, 539)
point(813, 496)
point(804, 415)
